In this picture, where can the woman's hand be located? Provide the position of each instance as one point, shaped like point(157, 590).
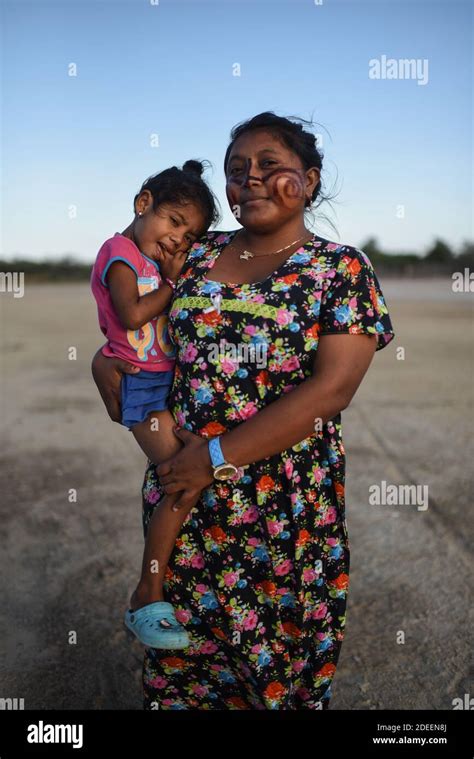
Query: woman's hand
point(107, 374)
point(188, 470)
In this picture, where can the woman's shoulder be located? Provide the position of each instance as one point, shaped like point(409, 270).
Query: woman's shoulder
point(340, 251)
point(213, 235)
point(206, 243)
point(344, 258)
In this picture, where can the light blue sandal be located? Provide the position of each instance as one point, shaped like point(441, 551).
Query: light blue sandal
point(156, 626)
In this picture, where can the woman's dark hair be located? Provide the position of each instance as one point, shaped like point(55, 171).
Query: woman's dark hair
point(290, 132)
point(183, 186)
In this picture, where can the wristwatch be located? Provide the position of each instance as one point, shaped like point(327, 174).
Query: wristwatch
point(223, 470)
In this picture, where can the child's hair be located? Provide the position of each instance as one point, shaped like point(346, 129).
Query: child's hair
point(183, 186)
point(294, 136)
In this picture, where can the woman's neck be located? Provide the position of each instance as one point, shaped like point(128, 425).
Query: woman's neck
point(261, 242)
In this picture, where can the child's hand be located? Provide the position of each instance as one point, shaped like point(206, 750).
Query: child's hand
point(172, 263)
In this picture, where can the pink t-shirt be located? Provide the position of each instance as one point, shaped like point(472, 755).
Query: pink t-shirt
point(148, 347)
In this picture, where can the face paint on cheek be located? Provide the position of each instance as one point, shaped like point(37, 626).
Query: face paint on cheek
point(233, 196)
point(285, 185)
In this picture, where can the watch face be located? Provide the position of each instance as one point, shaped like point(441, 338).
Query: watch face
point(224, 471)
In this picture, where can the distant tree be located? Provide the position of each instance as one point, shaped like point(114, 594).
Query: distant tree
point(371, 247)
point(465, 256)
point(439, 253)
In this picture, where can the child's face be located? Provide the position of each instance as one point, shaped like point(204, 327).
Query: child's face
point(171, 226)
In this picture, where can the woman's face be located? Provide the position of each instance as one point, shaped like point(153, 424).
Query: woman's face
point(266, 183)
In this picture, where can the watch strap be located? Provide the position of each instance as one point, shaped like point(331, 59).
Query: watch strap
point(215, 452)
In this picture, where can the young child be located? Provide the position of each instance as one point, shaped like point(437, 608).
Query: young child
point(133, 280)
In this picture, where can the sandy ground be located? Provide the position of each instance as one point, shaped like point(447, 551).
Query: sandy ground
point(71, 566)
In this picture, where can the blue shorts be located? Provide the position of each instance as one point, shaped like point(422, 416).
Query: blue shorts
point(142, 393)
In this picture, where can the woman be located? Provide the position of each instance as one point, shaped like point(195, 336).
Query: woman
point(260, 570)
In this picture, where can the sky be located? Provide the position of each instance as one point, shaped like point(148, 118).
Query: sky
point(76, 149)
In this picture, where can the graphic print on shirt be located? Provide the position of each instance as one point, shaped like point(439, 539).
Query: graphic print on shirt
point(142, 339)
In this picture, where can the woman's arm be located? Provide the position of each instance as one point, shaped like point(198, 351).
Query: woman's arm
point(340, 364)
point(339, 367)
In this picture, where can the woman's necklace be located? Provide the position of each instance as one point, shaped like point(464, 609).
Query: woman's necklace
point(246, 254)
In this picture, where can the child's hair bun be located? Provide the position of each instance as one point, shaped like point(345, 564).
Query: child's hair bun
point(181, 186)
point(193, 167)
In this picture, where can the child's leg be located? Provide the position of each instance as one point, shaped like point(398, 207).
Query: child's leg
point(157, 440)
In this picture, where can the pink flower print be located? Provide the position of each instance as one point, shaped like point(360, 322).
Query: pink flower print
point(197, 561)
point(283, 568)
point(250, 620)
point(298, 665)
point(208, 647)
point(274, 528)
point(288, 468)
point(332, 541)
point(332, 246)
point(309, 575)
point(250, 329)
point(195, 384)
point(230, 578)
point(220, 239)
point(254, 542)
point(248, 410)
point(199, 690)
point(201, 588)
point(283, 317)
point(190, 353)
point(303, 693)
point(319, 474)
point(158, 682)
point(153, 495)
point(183, 615)
point(229, 366)
point(290, 364)
point(251, 515)
point(330, 516)
point(320, 612)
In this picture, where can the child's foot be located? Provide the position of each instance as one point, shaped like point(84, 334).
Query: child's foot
point(140, 598)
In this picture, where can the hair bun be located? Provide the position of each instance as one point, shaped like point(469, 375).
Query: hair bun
point(193, 167)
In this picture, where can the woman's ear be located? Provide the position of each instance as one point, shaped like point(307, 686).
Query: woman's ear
point(313, 177)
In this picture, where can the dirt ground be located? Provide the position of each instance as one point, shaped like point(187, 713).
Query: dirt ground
point(72, 566)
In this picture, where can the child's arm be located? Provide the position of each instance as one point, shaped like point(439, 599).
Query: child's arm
point(134, 310)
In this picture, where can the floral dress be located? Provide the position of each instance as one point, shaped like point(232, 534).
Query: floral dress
point(260, 570)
